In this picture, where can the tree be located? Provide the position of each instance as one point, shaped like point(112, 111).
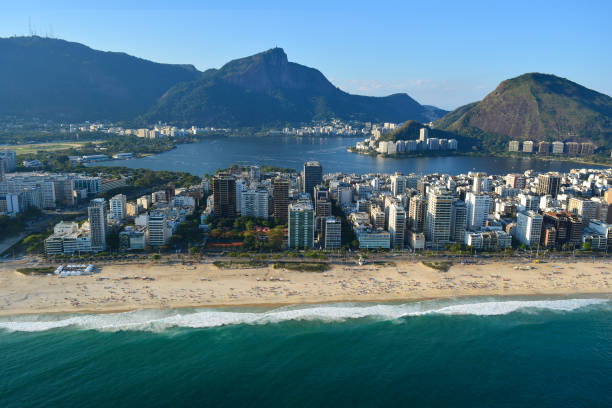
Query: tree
point(216, 233)
point(587, 246)
point(250, 242)
point(276, 237)
point(194, 251)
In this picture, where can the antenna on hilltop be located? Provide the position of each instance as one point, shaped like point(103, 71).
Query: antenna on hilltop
point(30, 26)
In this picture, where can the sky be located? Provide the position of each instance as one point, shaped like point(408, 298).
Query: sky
point(442, 53)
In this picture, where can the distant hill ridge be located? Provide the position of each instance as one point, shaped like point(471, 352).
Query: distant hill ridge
point(266, 88)
point(62, 80)
point(535, 107)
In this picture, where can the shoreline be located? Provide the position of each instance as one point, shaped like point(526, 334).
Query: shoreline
point(128, 287)
point(548, 158)
point(272, 306)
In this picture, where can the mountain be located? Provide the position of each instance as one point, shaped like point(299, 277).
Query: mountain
point(267, 89)
point(535, 107)
point(57, 79)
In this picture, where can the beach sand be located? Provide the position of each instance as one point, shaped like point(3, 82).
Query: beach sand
point(121, 287)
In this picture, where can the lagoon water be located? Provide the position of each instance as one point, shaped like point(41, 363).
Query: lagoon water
point(291, 152)
point(462, 353)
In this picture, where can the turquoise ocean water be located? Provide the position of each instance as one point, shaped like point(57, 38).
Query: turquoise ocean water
point(486, 352)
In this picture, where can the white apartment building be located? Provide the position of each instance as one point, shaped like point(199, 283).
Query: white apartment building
point(477, 206)
point(254, 203)
point(118, 207)
point(158, 232)
point(398, 184)
point(528, 228)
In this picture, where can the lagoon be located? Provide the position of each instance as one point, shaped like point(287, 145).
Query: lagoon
point(291, 152)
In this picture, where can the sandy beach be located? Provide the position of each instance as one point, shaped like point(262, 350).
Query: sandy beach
point(124, 287)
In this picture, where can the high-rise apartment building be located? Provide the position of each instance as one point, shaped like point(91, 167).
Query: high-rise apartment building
point(544, 147)
point(377, 217)
point(321, 201)
point(549, 184)
point(515, 181)
point(416, 213)
point(241, 187)
point(481, 183)
point(477, 206)
point(564, 229)
point(159, 197)
point(398, 184)
point(224, 195)
point(158, 231)
point(9, 158)
point(424, 134)
point(438, 218)
point(312, 176)
point(587, 209)
point(529, 228)
point(96, 213)
point(332, 233)
point(255, 203)
point(255, 173)
point(280, 195)
point(301, 225)
point(558, 147)
point(397, 225)
point(118, 207)
point(513, 146)
point(458, 221)
point(144, 201)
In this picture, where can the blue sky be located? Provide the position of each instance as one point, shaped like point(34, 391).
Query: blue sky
point(443, 53)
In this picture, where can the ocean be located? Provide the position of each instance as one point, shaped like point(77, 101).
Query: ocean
point(476, 352)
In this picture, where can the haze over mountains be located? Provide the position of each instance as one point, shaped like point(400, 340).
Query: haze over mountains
point(57, 79)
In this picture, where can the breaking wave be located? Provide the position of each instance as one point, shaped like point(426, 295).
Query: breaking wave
point(159, 320)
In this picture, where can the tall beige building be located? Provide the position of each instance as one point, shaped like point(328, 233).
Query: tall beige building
point(438, 218)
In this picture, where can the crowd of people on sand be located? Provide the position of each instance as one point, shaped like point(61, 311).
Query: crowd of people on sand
point(118, 287)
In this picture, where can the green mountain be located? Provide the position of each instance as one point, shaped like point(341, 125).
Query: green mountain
point(61, 80)
point(535, 107)
point(267, 89)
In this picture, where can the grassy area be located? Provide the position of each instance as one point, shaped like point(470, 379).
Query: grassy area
point(384, 263)
point(43, 270)
point(44, 147)
point(442, 266)
point(303, 266)
point(239, 264)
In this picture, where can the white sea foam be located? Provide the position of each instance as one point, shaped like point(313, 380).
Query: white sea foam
point(159, 320)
